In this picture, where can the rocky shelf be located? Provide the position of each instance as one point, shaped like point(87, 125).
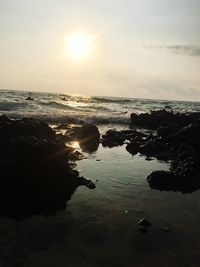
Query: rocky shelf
point(36, 177)
point(169, 137)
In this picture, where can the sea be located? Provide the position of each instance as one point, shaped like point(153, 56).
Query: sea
point(99, 227)
point(59, 108)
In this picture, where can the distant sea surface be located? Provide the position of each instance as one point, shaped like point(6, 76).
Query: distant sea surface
point(55, 108)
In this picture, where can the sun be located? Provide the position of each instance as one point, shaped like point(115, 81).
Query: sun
point(79, 46)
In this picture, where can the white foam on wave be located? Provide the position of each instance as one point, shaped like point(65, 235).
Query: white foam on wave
point(57, 108)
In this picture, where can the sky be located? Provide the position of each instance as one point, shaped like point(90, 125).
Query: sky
point(140, 48)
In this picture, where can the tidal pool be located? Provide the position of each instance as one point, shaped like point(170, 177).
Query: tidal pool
point(99, 227)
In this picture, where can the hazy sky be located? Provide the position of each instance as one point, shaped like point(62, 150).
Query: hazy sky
point(143, 48)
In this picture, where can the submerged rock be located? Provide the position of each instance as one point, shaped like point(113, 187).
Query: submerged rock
point(142, 229)
point(29, 98)
point(144, 222)
point(165, 229)
point(36, 176)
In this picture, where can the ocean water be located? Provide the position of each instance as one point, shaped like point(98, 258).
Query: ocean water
point(99, 227)
point(57, 108)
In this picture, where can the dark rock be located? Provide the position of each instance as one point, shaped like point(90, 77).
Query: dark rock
point(73, 133)
point(133, 148)
point(89, 184)
point(4, 120)
point(166, 131)
point(76, 155)
point(156, 118)
point(69, 124)
point(62, 126)
point(142, 230)
point(90, 147)
point(29, 98)
point(165, 229)
point(144, 222)
point(168, 181)
point(87, 135)
point(168, 107)
point(176, 140)
point(89, 138)
point(72, 165)
point(113, 138)
point(36, 177)
point(163, 180)
point(149, 147)
point(190, 132)
point(148, 158)
point(117, 138)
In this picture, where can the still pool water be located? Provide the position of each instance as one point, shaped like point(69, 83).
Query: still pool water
point(99, 227)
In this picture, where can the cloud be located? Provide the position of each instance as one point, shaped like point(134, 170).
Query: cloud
point(184, 49)
point(188, 50)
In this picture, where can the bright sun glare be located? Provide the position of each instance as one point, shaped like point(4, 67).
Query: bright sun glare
point(78, 46)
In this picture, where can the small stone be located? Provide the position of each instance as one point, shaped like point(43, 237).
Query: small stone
point(165, 229)
point(90, 184)
point(142, 230)
point(144, 222)
point(29, 98)
point(148, 158)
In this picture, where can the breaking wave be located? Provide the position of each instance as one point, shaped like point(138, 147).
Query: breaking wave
point(59, 108)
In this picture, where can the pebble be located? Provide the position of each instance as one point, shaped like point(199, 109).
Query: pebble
point(165, 229)
point(142, 230)
point(144, 222)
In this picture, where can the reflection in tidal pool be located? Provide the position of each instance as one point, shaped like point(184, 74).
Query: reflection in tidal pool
point(99, 227)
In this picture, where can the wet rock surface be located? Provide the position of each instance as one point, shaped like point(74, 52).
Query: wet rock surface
point(143, 226)
point(166, 136)
point(36, 177)
point(29, 98)
point(158, 118)
point(118, 138)
point(175, 138)
point(144, 222)
point(142, 229)
point(87, 135)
